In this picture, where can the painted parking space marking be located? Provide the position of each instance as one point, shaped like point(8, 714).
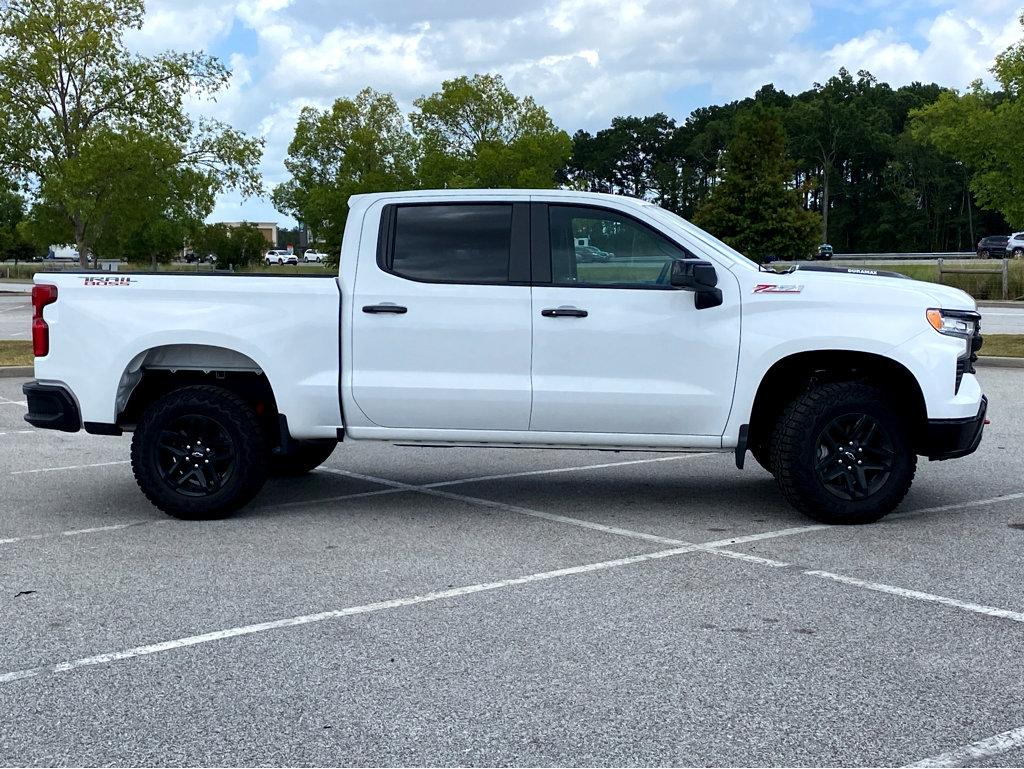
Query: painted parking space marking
point(917, 595)
point(396, 487)
point(578, 522)
point(75, 532)
point(956, 506)
point(306, 619)
point(71, 467)
point(552, 471)
point(977, 751)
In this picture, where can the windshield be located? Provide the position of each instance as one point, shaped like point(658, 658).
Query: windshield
point(674, 220)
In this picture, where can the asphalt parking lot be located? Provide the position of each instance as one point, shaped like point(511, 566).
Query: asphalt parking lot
point(15, 316)
point(493, 607)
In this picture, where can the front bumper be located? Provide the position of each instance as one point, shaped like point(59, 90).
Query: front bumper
point(51, 407)
point(953, 438)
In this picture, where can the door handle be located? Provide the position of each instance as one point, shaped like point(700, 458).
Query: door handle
point(392, 309)
point(564, 312)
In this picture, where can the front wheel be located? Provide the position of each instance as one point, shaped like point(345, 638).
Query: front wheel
point(1018, 253)
point(199, 453)
point(842, 454)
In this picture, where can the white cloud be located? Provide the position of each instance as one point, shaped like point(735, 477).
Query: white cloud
point(585, 60)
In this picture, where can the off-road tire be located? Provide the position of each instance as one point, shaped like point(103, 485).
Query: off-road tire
point(242, 432)
point(302, 457)
point(795, 453)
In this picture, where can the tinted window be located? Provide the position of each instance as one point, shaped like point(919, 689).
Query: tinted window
point(454, 243)
point(590, 246)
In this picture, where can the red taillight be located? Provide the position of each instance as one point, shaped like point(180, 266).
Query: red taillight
point(42, 295)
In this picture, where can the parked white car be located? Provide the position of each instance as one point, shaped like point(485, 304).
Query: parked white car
point(1015, 245)
point(312, 255)
point(464, 318)
point(277, 256)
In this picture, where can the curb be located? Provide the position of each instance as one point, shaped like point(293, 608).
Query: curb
point(10, 372)
point(993, 361)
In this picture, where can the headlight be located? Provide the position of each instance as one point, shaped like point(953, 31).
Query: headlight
point(961, 323)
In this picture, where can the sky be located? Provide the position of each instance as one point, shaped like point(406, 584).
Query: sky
point(586, 61)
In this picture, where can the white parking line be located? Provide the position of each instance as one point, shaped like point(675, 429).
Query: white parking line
point(18, 432)
point(74, 532)
point(580, 522)
point(976, 751)
point(5, 402)
point(503, 476)
point(71, 467)
point(956, 506)
point(397, 487)
point(917, 595)
point(306, 619)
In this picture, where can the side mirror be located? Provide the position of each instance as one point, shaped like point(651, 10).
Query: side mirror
point(700, 277)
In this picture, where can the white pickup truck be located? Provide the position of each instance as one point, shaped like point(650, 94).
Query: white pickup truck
point(466, 318)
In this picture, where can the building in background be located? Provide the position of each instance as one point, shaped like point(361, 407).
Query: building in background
point(267, 229)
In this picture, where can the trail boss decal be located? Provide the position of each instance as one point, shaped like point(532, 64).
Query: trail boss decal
point(104, 281)
point(775, 288)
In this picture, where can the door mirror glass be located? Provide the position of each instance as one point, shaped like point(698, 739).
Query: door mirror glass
point(700, 277)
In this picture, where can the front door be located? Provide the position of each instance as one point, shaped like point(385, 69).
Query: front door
point(617, 349)
point(442, 323)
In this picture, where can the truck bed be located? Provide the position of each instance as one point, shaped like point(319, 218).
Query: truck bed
point(107, 327)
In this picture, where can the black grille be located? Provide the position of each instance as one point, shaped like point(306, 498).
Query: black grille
point(962, 366)
point(965, 363)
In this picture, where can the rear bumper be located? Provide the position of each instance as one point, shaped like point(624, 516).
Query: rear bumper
point(953, 438)
point(51, 407)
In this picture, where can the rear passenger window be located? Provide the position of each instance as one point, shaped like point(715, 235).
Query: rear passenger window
point(453, 243)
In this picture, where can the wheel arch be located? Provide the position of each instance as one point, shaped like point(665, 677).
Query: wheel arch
point(161, 369)
point(796, 372)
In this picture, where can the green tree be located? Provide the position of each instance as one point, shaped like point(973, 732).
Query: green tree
point(476, 133)
point(72, 94)
point(755, 208)
point(358, 145)
point(13, 241)
point(237, 246)
point(635, 156)
point(984, 131)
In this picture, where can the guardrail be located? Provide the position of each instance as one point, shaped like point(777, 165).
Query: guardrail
point(934, 255)
point(1003, 270)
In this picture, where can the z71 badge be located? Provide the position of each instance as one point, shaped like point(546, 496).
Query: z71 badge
point(105, 281)
point(773, 288)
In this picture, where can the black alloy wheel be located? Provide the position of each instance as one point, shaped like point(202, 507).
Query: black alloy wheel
point(854, 456)
point(196, 455)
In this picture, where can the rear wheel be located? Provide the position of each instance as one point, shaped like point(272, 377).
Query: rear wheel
point(199, 453)
point(842, 454)
point(302, 457)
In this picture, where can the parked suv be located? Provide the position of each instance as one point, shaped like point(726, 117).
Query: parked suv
point(1015, 245)
point(992, 245)
point(280, 257)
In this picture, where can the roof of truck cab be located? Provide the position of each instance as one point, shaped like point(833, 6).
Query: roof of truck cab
point(492, 193)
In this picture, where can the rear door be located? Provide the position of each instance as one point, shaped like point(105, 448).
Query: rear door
point(442, 322)
point(616, 348)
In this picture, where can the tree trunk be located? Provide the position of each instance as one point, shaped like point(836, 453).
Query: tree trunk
point(81, 244)
point(824, 205)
